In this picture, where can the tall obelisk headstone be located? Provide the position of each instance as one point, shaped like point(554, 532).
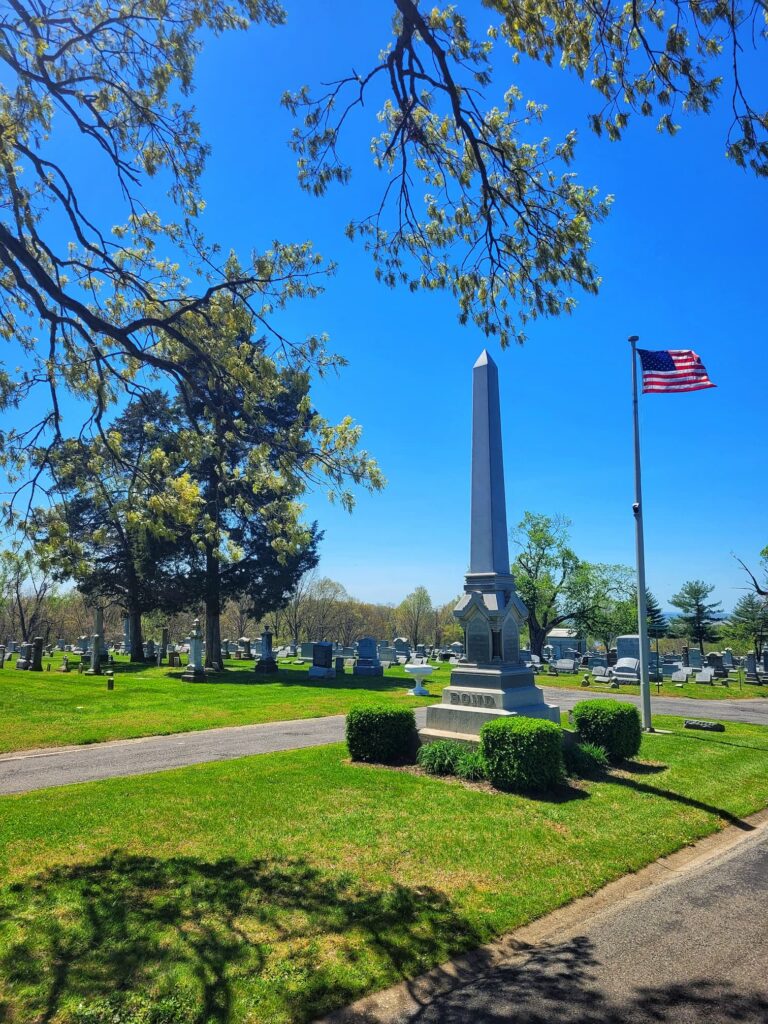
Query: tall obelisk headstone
point(492, 682)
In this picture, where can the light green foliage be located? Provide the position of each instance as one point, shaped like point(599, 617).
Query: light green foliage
point(441, 757)
point(500, 220)
point(558, 587)
point(585, 759)
point(415, 615)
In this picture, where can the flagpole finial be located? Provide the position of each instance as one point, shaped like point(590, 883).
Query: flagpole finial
point(633, 338)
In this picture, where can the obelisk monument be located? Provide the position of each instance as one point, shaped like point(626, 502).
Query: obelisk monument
point(491, 682)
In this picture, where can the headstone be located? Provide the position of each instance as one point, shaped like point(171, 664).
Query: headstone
point(225, 648)
point(686, 656)
point(751, 676)
point(728, 661)
point(195, 672)
point(164, 642)
point(25, 656)
point(715, 662)
point(492, 682)
point(149, 650)
point(60, 644)
point(36, 660)
point(64, 664)
point(95, 669)
point(98, 630)
point(368, 663)
point(266, 659)
point(627, 670)
point(2, 655)
point(305, 651)
point(339, 665)
point(245, 647)
point(322, 662)
point(765, 658)
point(695, 659)
point(127, 635)
point(11, 647)
point(706, 675)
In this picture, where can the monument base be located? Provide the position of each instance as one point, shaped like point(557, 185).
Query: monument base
point(316, 672)
point(480, 693)
point(368, 670)
point(194, 676)
point(265, 665)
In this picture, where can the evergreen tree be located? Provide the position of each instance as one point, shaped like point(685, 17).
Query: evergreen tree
point(698, 617)
point(748, 623)
point(658, 624)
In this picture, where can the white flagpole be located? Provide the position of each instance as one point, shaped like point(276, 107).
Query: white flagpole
point(637, 508)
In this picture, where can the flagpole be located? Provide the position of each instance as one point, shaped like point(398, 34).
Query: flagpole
point(637, 508)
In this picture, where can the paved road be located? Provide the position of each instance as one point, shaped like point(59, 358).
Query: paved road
point(38, 769)
point(692, 950)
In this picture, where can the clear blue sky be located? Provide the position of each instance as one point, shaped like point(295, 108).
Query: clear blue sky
point(683, 257)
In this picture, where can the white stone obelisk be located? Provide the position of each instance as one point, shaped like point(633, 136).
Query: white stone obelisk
point(491, 682)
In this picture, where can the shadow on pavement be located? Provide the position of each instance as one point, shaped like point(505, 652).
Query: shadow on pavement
point(557, 984)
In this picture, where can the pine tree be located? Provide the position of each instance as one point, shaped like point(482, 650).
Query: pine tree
point(698, 616)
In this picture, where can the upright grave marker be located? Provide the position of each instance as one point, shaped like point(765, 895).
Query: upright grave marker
point(492, 682)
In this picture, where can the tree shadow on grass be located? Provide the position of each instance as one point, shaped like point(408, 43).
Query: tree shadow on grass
point(559, 984)
point(194, 936)
point(680, 798)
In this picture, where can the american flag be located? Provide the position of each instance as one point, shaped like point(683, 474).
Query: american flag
point(678, 369)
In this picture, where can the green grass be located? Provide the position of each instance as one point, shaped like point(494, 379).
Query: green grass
point(698, 691)
point(53, 709)
point(273, 888)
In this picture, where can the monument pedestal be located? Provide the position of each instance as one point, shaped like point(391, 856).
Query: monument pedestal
point(479, 693)
point(265, 665)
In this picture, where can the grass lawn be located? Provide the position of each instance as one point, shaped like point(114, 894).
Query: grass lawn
point(53, 709)
point(273, 888)
point(699, 691)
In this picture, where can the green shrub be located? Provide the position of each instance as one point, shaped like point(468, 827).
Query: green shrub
point(585, 759)
point(440, 757)
point(471, 765)
point(383, 735)
point(610, 724)
point(522, 753)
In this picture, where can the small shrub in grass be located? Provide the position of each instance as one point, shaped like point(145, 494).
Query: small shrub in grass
point(610, 724)
point(440, 757)
point(471, 766)
point(585, 760)
point(382, 735)
point(522, 753)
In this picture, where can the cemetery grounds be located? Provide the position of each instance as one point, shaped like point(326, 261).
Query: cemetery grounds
point(55, 709)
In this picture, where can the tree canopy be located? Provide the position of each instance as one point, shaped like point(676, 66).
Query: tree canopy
point(698, 617)
point(472, 202)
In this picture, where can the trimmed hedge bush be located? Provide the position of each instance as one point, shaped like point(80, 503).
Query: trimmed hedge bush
point(610, 724)
point(586, 759)
point(440, 757)
point(522, 753)
point(382, 735)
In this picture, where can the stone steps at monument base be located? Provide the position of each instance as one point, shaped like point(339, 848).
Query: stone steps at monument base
point(431, 735)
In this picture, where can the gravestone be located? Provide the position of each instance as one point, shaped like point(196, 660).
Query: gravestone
point(2, 655)
point(751, 676)
point(11, 647)
point(164, 643)
point(127, 635)
point(686, 659)
point(245, 647)
point(695, 659)
point(728, 661)
point(25, 656)
point(492, 682)
point(367, 663)
point(195, 673)
point(305, 651)
point(627, 670)
point(149, 650)
point(339, 665)
point(95, 669)
point(715, 662)
point(98, 630)
point(60, 644)
point(765, 658)
point(36, 659)
point(266, 660)
point(225, 648)
point(64, 665)
point(322, 662)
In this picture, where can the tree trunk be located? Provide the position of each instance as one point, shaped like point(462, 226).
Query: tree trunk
point(537, 636)
point(137, 638)
point(212, 611)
